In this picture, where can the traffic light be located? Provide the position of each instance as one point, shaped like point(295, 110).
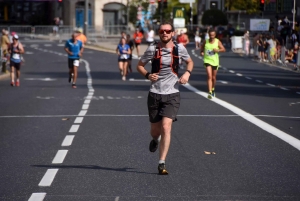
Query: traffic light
point(59, 1)
point(262, 5)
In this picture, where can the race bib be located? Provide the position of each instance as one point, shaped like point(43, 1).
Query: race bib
point(16, 56)
point(210, 53)
point(76, 63)
point(124, 56)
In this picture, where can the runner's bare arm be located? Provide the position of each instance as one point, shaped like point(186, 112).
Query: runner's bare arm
point(67, 50)
point(141, 69)
point(186, 75)
point(21, 51)
point(202, 48)
point(221, 47)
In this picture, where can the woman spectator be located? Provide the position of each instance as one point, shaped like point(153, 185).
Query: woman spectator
point(295, 56)
point(123, 51)
point(246, 43)
point(260, 44)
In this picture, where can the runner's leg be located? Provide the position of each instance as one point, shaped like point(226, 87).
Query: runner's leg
point(209, 78)
point(75, 74)
point(12, 73)
point(214, 78)
point(166, 127)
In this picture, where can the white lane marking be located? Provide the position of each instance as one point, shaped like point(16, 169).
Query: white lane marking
point(48, 45)
point(223, 82)
point(85, 106)
point(74, 129)
point(68, 140)
point(231, 71)
point(238, 74)
point(78, 120)
point(47, 98)
point(139, 115)
point(82, 113)
point(101, 97)
point(271, 85)
point(298, 92)
point(249, 78)
point(29, 52)
point(48, 177)
point(138, 80)
point(88, 97)
point(259, 81)
point(37, 197)
point(261, 124)
point(284, 88)
point(60, 156)
point(61, 45)
point(87, 101)
point(91, 90)
point(117, 198)
point(41, 79)
point(90, 93)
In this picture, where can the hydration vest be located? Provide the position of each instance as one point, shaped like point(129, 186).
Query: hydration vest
point(157, 63)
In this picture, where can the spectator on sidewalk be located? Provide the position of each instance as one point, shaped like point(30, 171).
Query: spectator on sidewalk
point(138, 36)
point(260, 44)
point(271, 48)
point(246, 43)
point(294, 38)
point(56, 24)
point(4, 49)
point(230, 33)
point(295, 56)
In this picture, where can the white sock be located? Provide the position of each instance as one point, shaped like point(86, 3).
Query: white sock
point(161, 162)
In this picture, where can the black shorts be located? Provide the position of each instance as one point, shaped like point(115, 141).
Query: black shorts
point(261, 49)
point(15, 65)
point(137, 44)
point(214, 67)
point(130, 57)
point(71, 62)
point(160, 105)
point(122, 60)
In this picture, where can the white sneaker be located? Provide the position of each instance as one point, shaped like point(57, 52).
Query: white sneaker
point(123, 78)
point(279, 61)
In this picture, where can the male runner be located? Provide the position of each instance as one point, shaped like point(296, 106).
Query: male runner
point(210, 49)
point(164, 97)
point(74, 48)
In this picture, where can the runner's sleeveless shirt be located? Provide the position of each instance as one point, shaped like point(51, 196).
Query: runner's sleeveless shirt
point(210, 57)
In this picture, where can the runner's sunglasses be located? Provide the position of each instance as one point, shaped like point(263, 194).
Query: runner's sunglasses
point(161, 31)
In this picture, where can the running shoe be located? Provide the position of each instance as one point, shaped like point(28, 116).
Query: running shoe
point(162, 169)
point(74, 86)
point(213, 93)
point(17, 83)
point(12, 84)
point(210, 96)
point(123, 78)
point(153, 145)
point(70, 77)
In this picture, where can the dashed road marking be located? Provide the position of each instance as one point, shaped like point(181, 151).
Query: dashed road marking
point(238, 74)
point(48, 177)
point(231, 71)
point(85, 106)
point(74, 128)
point(259, 81)
point(37, 197)
point(298, 92)
point(68, 140)
point(78, 120)
point(271, 85)
point(82, 113)
point(60, 156)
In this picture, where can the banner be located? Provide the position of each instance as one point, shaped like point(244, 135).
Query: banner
point(259, 24)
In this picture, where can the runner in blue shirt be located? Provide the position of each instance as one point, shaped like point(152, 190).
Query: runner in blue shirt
point(124, 51)
point(74, 49)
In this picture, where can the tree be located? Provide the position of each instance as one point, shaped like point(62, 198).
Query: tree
point(251, 6)
point(214, 17)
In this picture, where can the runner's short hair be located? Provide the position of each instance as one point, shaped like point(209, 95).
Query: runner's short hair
point(169, 23)
point(211, 30)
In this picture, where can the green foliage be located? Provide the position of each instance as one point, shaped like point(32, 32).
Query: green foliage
point(251, 6)
point(214, 17)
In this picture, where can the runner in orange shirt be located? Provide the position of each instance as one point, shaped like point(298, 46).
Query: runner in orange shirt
point(81, 36)
point(137, 36)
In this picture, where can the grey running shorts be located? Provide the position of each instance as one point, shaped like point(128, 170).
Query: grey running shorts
point(160, 105)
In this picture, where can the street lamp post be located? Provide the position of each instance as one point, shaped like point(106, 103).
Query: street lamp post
point(294, 12)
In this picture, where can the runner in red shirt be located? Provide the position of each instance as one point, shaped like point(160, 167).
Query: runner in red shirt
point(137, 36)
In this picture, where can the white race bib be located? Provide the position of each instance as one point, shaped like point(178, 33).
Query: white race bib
point(124, 56)
point(16, 56)
point(76, 63)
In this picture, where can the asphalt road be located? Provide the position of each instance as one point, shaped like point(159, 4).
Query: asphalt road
point(91, 143)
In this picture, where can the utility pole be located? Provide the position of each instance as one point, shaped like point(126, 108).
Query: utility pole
point(86, 17)
point(294, 12)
